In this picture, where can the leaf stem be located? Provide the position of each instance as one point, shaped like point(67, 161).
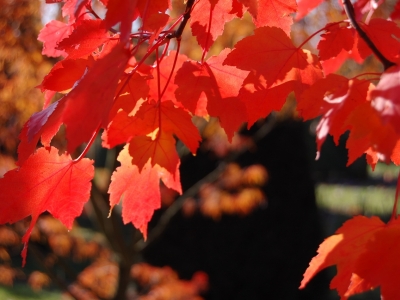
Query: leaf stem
point(208, 36)
point(318, 31)
point(186, 16)
point(349, 9)
point(89, 144)
point(173, 68)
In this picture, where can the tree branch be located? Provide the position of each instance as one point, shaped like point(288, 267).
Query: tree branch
point(186, 16)
point(349, 9)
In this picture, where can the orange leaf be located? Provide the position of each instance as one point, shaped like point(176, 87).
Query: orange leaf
point(159, 151)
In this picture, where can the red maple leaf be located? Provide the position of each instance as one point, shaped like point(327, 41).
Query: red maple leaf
point(45, 182)
point(271, 53)
point(51, 35)
point(41, 125)
point(384, 34)
point(65, 73)
point(221, 85)
point(335, 98)
point(305, 6)
point(276, 13)
point(139, 191)
point(365, 252)
point(86, 38)
point(208, 19)
point(130, 90)
point(337, 37)
point(121, 11)
point(385, 98)
point(172, 62)
point(89, 103)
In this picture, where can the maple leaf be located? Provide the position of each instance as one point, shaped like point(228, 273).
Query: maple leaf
point(384, 34)
point(207, 20)
point(122, 129)
point(368, 134)
point(130, 90)
point(86, 38)
point(275, 13)
point(41, 125)
point(385, 97)
point(139, 191)
point(305, 6)
point(335, 98)
point(260, 101)
point(74, 9)
point(121, 11)
point(51, 34)
point(173, 61)
point(160, 150)
point(364, 251)
point(334, 40)
point(90, 101)
point(45, 182)
point(65, 73)
point(221, 85)
point(271, 53)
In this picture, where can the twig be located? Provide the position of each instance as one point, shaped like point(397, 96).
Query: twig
point(349, 9)
point(186, 16)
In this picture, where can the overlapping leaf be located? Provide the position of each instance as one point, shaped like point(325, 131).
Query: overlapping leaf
point(271, 53)
point(220, 84)
point(89, 103)
point(335, 98)
point(86, 38)
point(208, 19)
point(51, 34)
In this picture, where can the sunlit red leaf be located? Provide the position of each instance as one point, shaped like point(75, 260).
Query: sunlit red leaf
point(364, 251)
point(41, 125)
point(336, 38)
point(305, 6)
point(271, 53)
point(160, 150)
point(65, 73)
point(220, 84)
point(384, 34)
point(208, 19)
point(45, 182)
point(277, 13)
point(91, 100)
point(138, 190)
point(121, 11)
point(54, 32)
point(335, 98)
point(86, 38)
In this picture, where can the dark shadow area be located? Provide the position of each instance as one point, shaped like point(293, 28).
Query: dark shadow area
point(262, 255)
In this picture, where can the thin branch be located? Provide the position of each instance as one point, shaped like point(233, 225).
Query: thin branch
point(349, 9)
point(186, 16)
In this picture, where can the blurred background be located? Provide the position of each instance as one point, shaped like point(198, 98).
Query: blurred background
point(261, 205)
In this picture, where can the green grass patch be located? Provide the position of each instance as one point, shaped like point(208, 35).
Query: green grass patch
point(24, 292)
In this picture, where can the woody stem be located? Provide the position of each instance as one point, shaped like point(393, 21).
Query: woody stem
point(349, 9)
